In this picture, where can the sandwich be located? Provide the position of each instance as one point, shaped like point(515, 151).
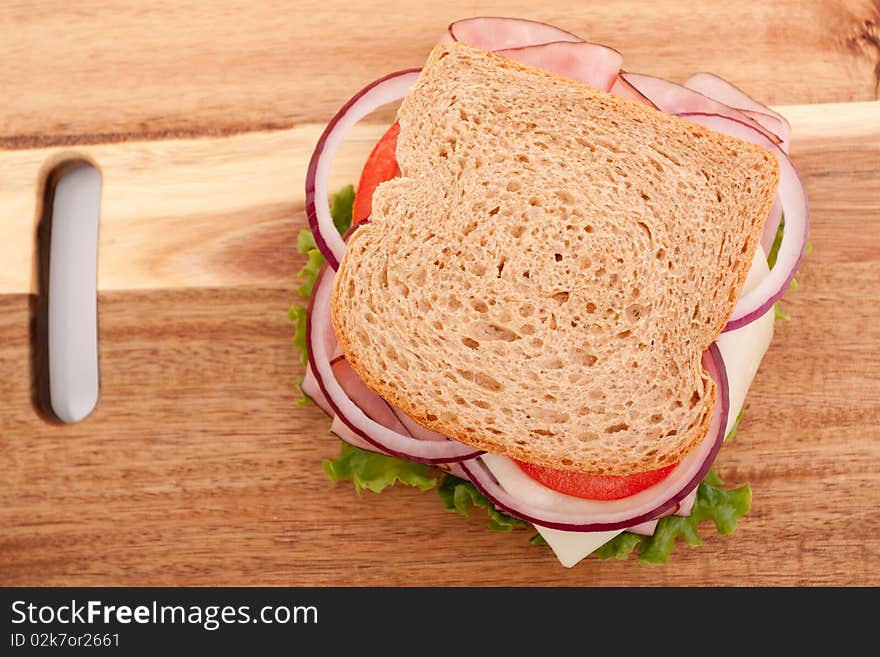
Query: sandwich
point(552, 288)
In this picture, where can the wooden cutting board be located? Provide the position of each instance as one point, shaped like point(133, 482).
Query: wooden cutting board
point(197, 466)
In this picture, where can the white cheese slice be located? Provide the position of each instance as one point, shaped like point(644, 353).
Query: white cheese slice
point(742, 351)
point(572, 547)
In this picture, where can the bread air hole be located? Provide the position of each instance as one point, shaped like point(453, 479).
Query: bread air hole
point(492, 332)
point(470, 343)
point(617, 428)
point(586, 359)
point(635, 312)
point(587, 436)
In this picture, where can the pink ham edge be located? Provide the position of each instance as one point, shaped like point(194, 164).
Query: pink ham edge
point(675, 99)
point(646, 528)
point(415, 429)
point(311, 388)
point(687, 504)
point(376, 408)
point(591, 63)
point(725, 92)
point(624, 89)
point(497, 33)
point(683, 509)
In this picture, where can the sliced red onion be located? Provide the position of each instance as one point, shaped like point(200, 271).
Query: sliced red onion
point(592, 63)
point(497, 33)
point(373, 406)
point(385, 90)
point(674, 99)
point(321, 343)
point(723, 91)
point(311, 388)
point(540, 505)
point(342, 430)
point(793, 198)
point(624, 89)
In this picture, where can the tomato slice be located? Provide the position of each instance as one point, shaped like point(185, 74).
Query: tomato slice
point(594, 487)
point(381, 165)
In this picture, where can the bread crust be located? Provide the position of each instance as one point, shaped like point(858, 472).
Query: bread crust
point(475, 388)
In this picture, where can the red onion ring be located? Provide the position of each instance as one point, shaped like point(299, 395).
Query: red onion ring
point(321, 343)
point(344, 433)
point(792, 197)
point(381, 92)
point(591, 516)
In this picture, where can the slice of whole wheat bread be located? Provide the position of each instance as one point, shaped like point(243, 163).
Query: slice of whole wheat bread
point(542, 280)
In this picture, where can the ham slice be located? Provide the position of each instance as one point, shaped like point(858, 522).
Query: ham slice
point(624, 89)
point(591, 63)
point(373, 406)
point(311, 388)
point(492, 33)
point(675, 99)
point(723, 91)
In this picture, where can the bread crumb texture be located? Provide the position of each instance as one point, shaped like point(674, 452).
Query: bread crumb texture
point(543, 279)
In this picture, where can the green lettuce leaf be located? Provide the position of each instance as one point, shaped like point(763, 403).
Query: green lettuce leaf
point(461, 496)
point(722, 506)
point(732, 433)
point(341, 208)
point(777, 242)
point(376, 472)
point(778, 313)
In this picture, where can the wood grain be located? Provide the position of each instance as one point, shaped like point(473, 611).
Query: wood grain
point(198, 467)
point(205, 212)
point(210, 212)
point(96, 70)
